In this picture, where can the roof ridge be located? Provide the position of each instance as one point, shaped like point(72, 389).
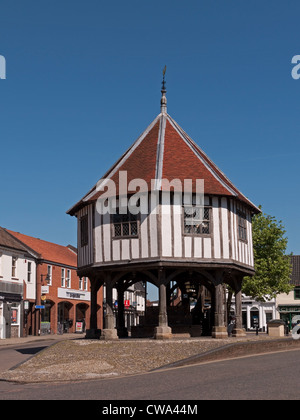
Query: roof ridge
point(123, 158)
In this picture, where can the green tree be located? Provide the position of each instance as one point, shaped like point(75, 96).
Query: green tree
point(272, 264)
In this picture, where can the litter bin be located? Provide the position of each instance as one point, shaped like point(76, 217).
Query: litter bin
point(276, 328)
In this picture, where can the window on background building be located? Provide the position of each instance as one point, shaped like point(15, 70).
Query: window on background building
point(49, 275)
point(63, 277)
point(242, 226)
point(14, 267)
point(83, 283)
point(0, 264)
point(29, 272)
point(68, 279)
point(297, 293)
point(196, 220)
point(125, 225)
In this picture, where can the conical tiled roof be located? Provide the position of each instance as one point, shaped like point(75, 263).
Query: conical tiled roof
point(165, 152)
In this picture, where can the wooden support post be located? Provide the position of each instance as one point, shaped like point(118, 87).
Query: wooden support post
point(109, 332)
point(163, 331)
point(93, 332)
point(238, 331)
point(219, 328)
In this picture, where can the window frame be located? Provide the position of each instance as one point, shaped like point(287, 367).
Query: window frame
point(68, 278)
point(49, 275)
point(297, 292)
point(135, 219)
point(63, 277)
point(84, 230)
point(209, 220)
point(29, 271)
point(14, 267)
point(242, 227)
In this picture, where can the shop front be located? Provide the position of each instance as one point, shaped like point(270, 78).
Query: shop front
point(11, 314)
point(290, 314)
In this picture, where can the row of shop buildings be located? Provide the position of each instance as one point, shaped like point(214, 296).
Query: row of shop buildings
point(41, 293)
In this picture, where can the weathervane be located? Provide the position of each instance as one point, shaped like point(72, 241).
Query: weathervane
point(164, 82)
point(163, 101)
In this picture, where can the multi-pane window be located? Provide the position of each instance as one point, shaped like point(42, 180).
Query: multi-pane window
point(125, 225)
point(49, 275)
point(84, 230)
point(196, 220)
point(68, 279)
point(83, 283)
point(63, 277)
point(242, 226)
point(14, 267)
point(29, 273)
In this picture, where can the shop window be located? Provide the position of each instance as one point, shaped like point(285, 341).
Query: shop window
point(14, 316)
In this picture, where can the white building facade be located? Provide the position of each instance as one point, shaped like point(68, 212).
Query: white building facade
point(17, 284)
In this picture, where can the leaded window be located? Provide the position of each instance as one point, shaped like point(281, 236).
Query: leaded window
point(125, 225)
point(196, 220)
point(242, 226)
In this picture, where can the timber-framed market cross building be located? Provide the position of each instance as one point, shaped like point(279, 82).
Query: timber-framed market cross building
point(188, 247)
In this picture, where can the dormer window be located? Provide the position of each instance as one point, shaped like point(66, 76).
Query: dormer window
point(196, 220)
point(125, 225)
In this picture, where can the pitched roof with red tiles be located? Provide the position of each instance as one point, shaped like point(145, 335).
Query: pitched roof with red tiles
point(9, 241)
point(165, 152)
point(48, 251)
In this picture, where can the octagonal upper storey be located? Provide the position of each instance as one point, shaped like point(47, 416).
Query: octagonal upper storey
point(156, 172)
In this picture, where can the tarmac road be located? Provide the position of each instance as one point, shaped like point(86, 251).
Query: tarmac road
point(274, 376)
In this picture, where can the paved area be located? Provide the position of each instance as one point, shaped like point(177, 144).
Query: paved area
point(74, 358)
point(34, 339)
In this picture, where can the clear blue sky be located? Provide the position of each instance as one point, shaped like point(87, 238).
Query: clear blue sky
point(84, 79)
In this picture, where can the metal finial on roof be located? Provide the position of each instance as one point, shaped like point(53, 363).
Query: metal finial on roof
point(163, 101)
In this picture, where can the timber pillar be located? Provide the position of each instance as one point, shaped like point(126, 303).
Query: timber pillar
point(163, 331)
point(219, 330)
point(109, 332)
point(238, 331)
point(93, 332)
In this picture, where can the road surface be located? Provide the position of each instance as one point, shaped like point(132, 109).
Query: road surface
point(264, 377)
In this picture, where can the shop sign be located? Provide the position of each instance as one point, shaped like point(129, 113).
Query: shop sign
point(79, 327)
point(289, 308)
point(45, 290)
point(73, 294)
